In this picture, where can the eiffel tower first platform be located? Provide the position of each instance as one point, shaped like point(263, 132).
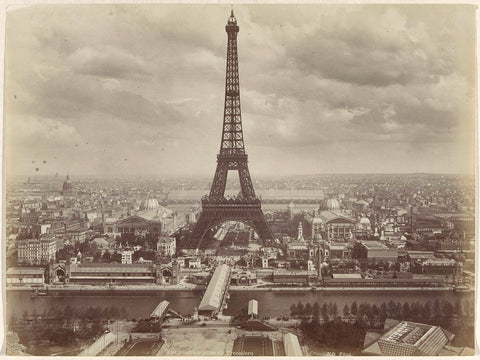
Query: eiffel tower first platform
point(246, 207)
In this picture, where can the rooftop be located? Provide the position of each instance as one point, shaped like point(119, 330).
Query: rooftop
point(160, 309)
point(110, 267)
point(410, 338)
point(347, 276)
point(25, 271)
point(212, 299)
point(374, 245)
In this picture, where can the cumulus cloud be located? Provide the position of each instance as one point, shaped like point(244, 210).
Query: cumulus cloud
point(107, 63)
point(324, 88)
point(42, 133)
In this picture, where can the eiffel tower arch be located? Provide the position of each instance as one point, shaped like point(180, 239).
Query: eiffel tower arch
point(246, 207)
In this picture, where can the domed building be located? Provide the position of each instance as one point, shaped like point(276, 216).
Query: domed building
point(151, 218)
point(363, 225)
point(149, 205)
point(329, 223)
point(329, 204)
point(67, 187)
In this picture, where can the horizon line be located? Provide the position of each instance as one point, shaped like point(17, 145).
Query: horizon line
point(258, 175)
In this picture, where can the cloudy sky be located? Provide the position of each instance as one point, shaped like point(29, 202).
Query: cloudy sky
point(125, 89)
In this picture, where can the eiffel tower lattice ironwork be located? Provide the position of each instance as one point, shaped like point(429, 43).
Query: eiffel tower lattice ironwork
point(246, 207)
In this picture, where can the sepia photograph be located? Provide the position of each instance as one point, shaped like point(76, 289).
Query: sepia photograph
point(239, 179)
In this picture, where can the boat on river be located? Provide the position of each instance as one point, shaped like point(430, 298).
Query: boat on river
point(38, 293)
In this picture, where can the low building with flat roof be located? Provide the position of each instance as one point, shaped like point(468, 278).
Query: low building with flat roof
point(439, 266)
point(291, 345)
point(410, 339)
point(213, 299)
point(25, 276)
point(253, 308)
point(347, 276)
point(160, 310)
point(300, 277)
point(112, 273)
point(378, 251)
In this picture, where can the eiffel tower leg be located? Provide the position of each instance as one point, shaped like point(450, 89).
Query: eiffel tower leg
point(204, 223)
point(262, 228)
point(245, 180)
point(220, 179)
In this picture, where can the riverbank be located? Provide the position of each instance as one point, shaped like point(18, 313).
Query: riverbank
point(151, 288)
point(338, 289)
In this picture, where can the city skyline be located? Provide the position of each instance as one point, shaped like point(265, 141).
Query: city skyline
point(138, 89)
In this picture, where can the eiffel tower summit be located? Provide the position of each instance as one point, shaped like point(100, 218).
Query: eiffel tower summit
point(246, 207)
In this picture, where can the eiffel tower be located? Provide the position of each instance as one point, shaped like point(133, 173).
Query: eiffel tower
point(245, 207)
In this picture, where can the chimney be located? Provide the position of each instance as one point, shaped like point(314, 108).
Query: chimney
point(411, 219)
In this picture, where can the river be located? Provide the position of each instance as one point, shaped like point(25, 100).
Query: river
point(270, 303)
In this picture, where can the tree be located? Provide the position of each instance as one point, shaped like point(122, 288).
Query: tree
point(316, 310)
point(123, 312)
point(416, 311)
point(65, 253)
point(114, 312)
point(308, 309)
point(436, 307)
point(97, 256)
point(354, 309)
point(448, 308)
point(300, 308)
point(241, 262)
point(346, 311)
point(67, 313)
point(359, 252)
point(116, 257)
point(427, 311)
point(12, 321)
point(12, 259)
point(52, 312)
point(324, 311)
point(334, 310)
point(368, 311)
point(399, 310)
point(34, 315)
point(92, 313)
point(293, 310)
point(383, 311)
point(362, 309)
point(406, 311)
point(392, 310)
point(107, 256)
point(458, 307)
point(467, 305)
point(106, 314)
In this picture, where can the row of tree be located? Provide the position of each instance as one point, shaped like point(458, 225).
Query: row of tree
point(436, 312)
point(68, 313)
point(336, 335)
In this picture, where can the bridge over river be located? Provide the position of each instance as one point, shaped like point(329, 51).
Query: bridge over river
point(214, 300)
